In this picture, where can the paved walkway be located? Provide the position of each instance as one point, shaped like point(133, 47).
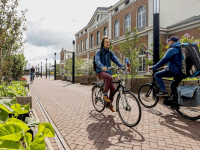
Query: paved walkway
point(71, 109)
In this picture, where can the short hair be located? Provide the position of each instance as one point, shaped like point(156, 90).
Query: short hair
point(102, 41)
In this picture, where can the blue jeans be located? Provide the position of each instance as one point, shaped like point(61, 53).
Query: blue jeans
point(32, 76)
point(164, 73)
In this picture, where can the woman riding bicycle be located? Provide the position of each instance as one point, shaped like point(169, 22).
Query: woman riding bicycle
point(103, 59)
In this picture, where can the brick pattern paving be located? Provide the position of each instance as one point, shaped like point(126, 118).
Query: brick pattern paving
point(71, 109)
point(42, 119)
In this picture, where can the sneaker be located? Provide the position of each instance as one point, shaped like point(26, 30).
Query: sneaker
point(112, 108)
point(167, 102)
point(162, 94)
point(106, 99)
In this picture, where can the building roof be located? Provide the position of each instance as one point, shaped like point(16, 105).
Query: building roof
point(188, 20)
point(99, 9)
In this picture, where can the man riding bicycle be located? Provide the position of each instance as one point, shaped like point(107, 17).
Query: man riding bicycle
point(173, 58)
point(103, 59)
point(32, 71)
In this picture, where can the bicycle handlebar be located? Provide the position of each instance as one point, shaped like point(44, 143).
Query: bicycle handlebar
point(117, 68)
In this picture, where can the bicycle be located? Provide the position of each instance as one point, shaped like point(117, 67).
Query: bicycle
point(148, 99)
point(126, 101)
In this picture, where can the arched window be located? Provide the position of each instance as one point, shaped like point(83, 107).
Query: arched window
point(92, 41)
point(141, 17)
point(98, 38)
point(98, 18)
point(116, 29)
point(78, 47)
point(81, 46)
point(85, 43)
point(105, 31)
point(127, 23)
point(142, 56)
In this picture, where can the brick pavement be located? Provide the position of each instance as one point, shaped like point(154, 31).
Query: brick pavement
point(71, 109)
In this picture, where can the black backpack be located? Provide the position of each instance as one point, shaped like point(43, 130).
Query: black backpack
point(94, 63)
point(191, 59)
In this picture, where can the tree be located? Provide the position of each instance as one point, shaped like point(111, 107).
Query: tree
point(18, 66)
point(68, 66)
point(130, 50)
point(12, 27)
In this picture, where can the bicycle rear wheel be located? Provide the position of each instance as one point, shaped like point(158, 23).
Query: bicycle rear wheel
point(191, 113)
point(130, 112)
point(97, 98)
point(145, 96)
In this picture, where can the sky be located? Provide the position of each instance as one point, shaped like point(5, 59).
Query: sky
point(52, 24)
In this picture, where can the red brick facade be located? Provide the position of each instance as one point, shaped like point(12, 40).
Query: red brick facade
point(78, 41)
point(192, 32)
point(131, 9)
point(100, 29)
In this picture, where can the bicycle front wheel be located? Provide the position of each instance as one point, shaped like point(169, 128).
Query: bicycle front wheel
point(97, 98)
point(129, 109)
point(145, 96)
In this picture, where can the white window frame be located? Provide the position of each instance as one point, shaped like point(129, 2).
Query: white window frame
point(98, 38)
point(82, 46)
point(142, 56)
point(105, 31)
point(143, 14)
point(78, 48)
point(116, 29)
point(128, 21)
point(92, 40)
point(85, 44)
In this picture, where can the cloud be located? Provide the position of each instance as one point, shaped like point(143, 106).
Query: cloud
point(40, 37)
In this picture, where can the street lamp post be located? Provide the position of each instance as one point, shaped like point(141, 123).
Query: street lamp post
point(41, 69)
point(46, 68)
point(156, 34)
point(38, 69)
point(49, 69)
point(73, 60)
point(55, 67)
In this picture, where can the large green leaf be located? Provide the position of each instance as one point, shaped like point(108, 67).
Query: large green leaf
point(19, 123)
point(11, 132)
point(31, 122)
point(20, 109)
point(38, 143)
point(7, 103)
point(10, 145)
point(3, 116)
point(27, 139)
point(46, 130)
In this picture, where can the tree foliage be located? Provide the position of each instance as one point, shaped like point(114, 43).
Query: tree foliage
point(12, 27)
point(130, 49)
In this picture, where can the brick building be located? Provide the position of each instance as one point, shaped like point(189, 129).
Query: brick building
point(176, 18)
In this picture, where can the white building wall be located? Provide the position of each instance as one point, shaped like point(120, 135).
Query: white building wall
point(173, 11)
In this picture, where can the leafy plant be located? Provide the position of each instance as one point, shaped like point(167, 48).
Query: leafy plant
point(12, 130)
point(130, 50)
point(12, 90)
point(88, 65)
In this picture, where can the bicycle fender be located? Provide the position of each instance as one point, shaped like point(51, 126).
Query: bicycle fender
point(95, 86)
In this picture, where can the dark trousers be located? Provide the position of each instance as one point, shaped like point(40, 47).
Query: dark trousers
point(108, 85)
